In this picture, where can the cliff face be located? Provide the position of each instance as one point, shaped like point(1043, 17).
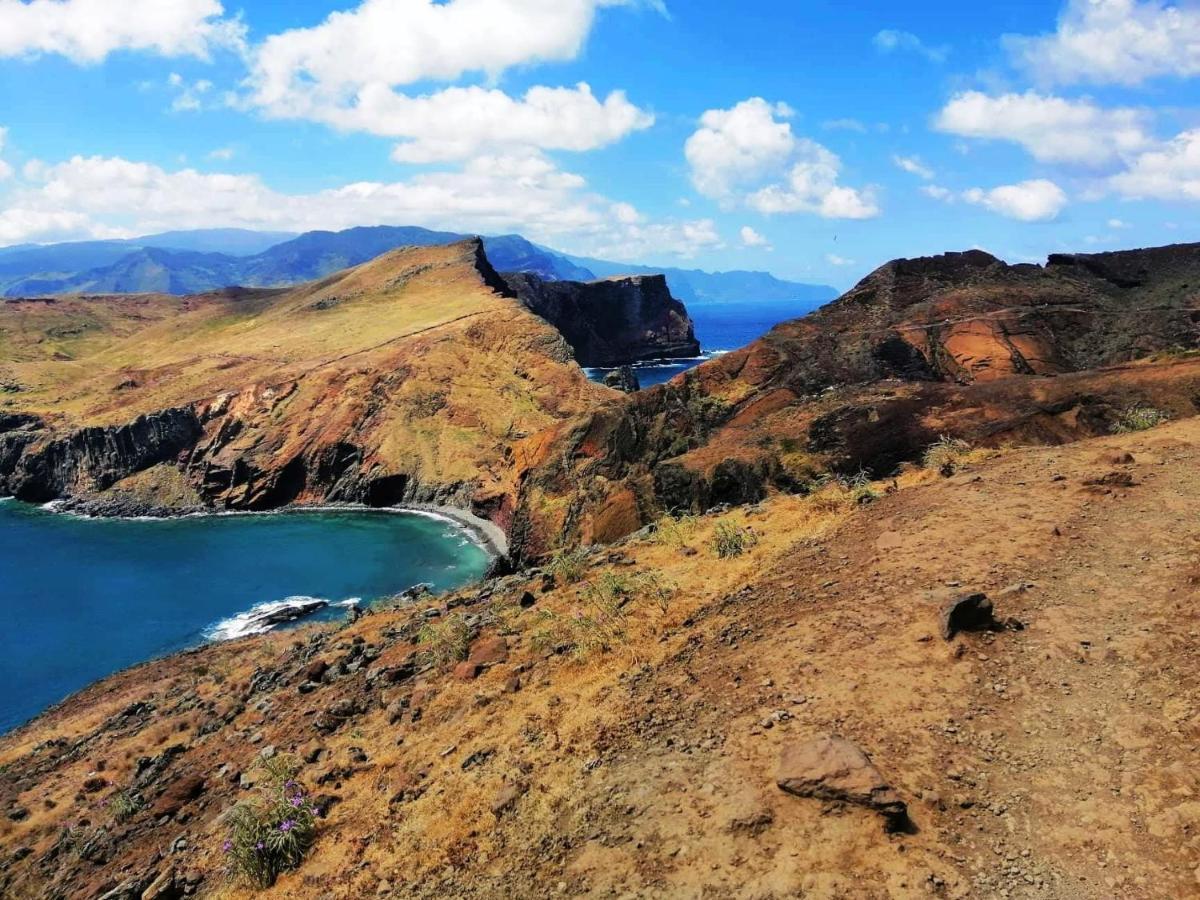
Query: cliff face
point(961, 345)
point(613, 322)
point(409, 378)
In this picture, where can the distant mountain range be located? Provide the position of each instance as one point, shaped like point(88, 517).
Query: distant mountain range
point(186, 262)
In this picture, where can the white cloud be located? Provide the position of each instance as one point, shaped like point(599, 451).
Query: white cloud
point(738, 145)
point(1114, 42)
point(751, 238)
point(891, 40)
point(222, 154)
point(1168, 172)
point(1051, 128)
point(347, 71)
point(1117, 224)
point(914, 166)
point(87, 31)
point(6, 170)
point(458, 123)
point(189, 97)
point(834, 260)
point(1029, 201)
point(99, 196)
point(844, 125)
point(937, 192)
point(749, 154)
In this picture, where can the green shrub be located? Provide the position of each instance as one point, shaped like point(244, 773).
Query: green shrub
point(569, 566)
point(731, 540)
point(273, 833)
point(1139, 417)
point(654, 588)
point(447, 640)
point(945, 455)
point(124, 805)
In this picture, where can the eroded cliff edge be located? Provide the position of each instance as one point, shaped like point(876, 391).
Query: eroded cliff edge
point(614, 321)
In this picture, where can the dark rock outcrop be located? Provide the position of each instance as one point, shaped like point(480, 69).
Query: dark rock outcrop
point(623, 379)
point(613, 322)
point(38, 469)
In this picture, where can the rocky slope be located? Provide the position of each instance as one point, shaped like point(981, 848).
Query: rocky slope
point(1051, 754)
point(959, 346)
point(613, 322)
point(405, 379)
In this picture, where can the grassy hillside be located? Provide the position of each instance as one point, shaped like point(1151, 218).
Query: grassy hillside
point(412, 366)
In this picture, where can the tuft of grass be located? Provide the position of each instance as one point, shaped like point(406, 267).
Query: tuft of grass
point(446, 640)
point(946, 455)
point(1139, 417)
point(124, 805)
point(730, 540)
point(569, 566)
point(676, 531)
point(861, 490)
point(273, 833)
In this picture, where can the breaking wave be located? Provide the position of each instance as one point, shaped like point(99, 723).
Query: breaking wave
point(267, 616)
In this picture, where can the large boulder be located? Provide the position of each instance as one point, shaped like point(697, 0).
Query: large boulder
point(832, 768)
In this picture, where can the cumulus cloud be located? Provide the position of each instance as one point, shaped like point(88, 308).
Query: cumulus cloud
point(890, 40)
point(914, 166)
point(105, 196)
point(1168, 172)
point(748, 154)
point(1114, 42)
point(87, 31)
point(834, 260)
point(349, 71)
point(189, 96)
point(1039, 200)
point(738, 145)
point(751, 238)
point(937, 192)
point(1051, 128)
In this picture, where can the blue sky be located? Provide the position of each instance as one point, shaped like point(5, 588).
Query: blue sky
point(813, 139)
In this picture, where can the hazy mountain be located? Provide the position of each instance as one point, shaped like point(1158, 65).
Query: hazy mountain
point(189, 261)
point(695, 286)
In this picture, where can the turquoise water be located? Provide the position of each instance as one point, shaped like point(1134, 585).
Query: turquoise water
point(83, 598)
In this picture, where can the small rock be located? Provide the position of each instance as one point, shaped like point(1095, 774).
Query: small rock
point(970, 613)
point(832, 768)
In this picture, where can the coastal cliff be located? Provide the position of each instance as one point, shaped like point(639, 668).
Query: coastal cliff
point(405, 380)
point(612, 322)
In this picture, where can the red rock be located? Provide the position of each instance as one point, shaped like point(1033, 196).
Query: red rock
point(181, 792)
point(489, 651)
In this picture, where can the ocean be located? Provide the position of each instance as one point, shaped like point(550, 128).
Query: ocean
point(83, 598)
point(720, 327)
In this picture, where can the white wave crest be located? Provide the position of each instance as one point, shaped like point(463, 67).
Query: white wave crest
point(265, 616)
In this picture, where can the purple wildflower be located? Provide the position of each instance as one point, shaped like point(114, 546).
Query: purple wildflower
point(287, 826)
point(260, 845)
point(227, 846)
point(298, 800)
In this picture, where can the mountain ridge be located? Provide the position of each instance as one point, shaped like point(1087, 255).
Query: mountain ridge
point(100, 265)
